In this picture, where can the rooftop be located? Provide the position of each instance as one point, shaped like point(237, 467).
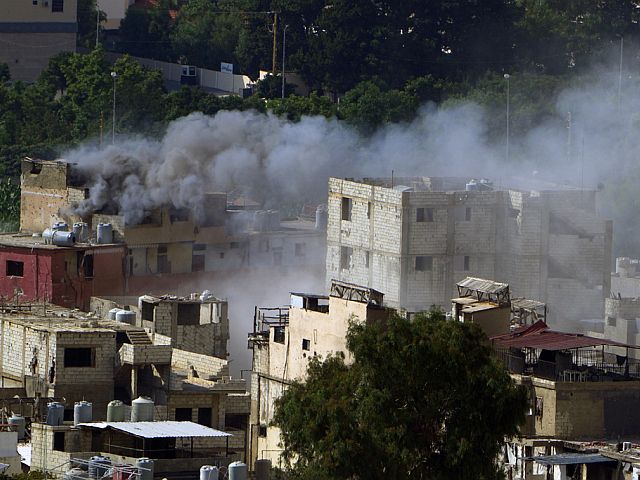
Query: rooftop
point(164, 429)
point(35, 241)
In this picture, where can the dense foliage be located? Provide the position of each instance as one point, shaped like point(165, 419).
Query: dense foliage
point(422, 399)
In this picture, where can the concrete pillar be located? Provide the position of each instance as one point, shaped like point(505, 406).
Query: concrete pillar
point(134, 383)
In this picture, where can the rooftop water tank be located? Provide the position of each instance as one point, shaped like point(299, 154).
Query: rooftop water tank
point(98, 466)
point(142, 410)
point(115, 411)
point(74, 474)
point(60, 227)
point(208, 472)
point(63, 239)
point(55, 414)
point(145, 468)
point(322, 217)
point(112, 313)
point(81, 231)
point(237, 471)
point(104, 233)
point(126, 316)
point(47, 236)
point(262, 468)
point(19, 422)
point(471, 185)
point(82, 412)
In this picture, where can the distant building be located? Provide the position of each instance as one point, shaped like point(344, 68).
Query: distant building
point(33, 31)
point(581, 389)
point(625, 281)
point(621, 323)
point(284, 340)
point(414, 238)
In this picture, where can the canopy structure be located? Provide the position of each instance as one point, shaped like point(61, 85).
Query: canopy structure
point(166, 429)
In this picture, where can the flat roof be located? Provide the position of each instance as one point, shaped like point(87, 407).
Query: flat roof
point(165, 429)
point(27, 240)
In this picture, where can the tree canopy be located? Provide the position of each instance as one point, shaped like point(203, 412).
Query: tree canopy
point(422, 399)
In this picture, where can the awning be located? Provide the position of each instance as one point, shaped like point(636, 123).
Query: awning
point(571, 459)
point(166, 429)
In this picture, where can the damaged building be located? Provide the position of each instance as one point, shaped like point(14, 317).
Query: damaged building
point(414, 238)
point(285, 339)
point(171, 245)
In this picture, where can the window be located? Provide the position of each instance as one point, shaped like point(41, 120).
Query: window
point(277, 256)
point(234, 245)
point(147, 311)
point(78, 357)
point(188, 314)
point(204, 416)
point(34, 2)
point(467, 214)
point(465, 265)
point(345, 257)
point(85, 264)
point(15, 269)
point(366, 258)
point(611, 321)
point(199, 247)
point(197, 263)
point(262, 431)
point(346, 208)
point(369, 210)
point(306, 344)
point(58, 441)
point(424, 263)
point(178, 215)
point(163, 260)
point(300, 249)
point(235, 420)
point(420, 214)
point(278, 335)
point(183, 414)
point(57, 5)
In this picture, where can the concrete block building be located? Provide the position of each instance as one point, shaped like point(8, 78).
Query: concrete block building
point(31, 32)
point(284, 340)
point(414, 238)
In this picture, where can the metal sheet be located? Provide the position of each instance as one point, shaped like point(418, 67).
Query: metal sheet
point(571, 459)
point(167, 429)
point(482, 285)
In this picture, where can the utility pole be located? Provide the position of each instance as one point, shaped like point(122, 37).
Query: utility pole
point(97, 23)
point(507, 77)
point(284, 48)
point(275, 44)
point(620, 73)
point(114, 75)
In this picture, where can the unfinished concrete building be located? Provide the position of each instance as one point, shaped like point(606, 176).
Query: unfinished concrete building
point(414, 238)
point(285, 339)
point(621, 323)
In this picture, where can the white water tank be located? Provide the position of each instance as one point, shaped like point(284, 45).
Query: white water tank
point(142, 410)
point(104, 233)
point(145, 468)
point(82, 412)
point(115, 411)
point(237, 471)
point(81, 231)
point(60, 227)
point(55, 414)
point(208, 472)
point(126, 316)
point(20, 423)
point(74, 474)
point(112, 313)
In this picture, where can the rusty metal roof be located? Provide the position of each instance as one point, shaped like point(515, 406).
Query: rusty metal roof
point(539, 335)
point(482, 285)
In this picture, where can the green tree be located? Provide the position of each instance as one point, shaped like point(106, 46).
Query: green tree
point(422, 399)
point(145, 31)
point(87, 19)
point(295, 107)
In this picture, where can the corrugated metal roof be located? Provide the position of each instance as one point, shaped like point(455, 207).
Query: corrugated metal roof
point(540, 336)
point(571, 459)
point(526, 303)
point(167, 429)
point(482, 285)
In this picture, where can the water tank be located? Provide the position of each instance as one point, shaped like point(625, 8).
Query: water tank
point(471, 186)
point(19, 422)
point(81, 231)
point(237, 471)
point(47, 236)
point(115, 411)
point(142, 410)
point(60, 227)
point(55, 413)
point(273, 217)
point(262, 468)
point(145, 468)
point(208, 472)
point(75, 473)
point(82, 412)
point(322, 217)
point(105, 233)
point(260, 221)
point(126, 316)
point(98, 466)
point(62, 239)
point(112, 313)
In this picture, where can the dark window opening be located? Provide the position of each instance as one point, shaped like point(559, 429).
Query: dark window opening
point(57, 5)
point(467, 214)
point(67, 415)
point(78, 357)
point(15, 269)
point(278, 335)
point(188, 313)
point(204, 417)
point(369, 210)
point(346, 208)
point(183, 414)
point(178, 215)
point(466, 264)
point(58, 441)
point(424, 263)
point(235, 420)
point(164, 266)
point(147, 311)
point(234, 245)
point(420, 215)
point(199, 247)
point(162, 249)
point(345, 257)
point(197, 263)
point(262, 430)
point(367, 254)
point(306, 344)
point(85, 264)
